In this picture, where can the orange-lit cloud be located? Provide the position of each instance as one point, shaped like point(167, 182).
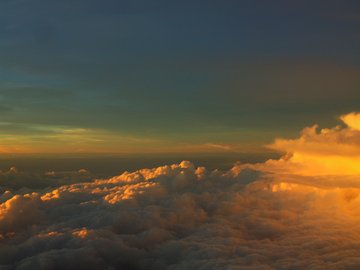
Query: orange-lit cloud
point(327, 151)
point(299, 212)
point(352, 120)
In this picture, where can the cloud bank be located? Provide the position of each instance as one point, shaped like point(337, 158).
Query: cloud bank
point(282, 214)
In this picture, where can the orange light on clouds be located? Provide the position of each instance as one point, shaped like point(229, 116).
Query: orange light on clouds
point(352, 120)
point(334, 151)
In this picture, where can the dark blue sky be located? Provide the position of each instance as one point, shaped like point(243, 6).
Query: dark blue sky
point(125, 76)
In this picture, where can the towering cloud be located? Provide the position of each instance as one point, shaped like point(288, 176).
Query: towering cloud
point(352, 120)
point(299, 212)
point(334, 151)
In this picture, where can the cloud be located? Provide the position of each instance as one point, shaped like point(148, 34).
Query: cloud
point(327, 151)
point(21, 182)
point(218, 146)
point(254, 216)
point(18, 213)
point(352, 120)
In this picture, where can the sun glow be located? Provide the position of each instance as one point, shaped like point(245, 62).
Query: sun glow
point(352, 120)
point(334, 151)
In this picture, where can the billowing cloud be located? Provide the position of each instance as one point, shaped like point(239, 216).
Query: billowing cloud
point(281, 214)
point(352, 120)
point(327, 151)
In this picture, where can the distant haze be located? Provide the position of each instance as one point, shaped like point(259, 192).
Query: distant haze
point(108, 165)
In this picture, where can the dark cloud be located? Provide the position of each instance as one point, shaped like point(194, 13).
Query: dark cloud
point(19, 181)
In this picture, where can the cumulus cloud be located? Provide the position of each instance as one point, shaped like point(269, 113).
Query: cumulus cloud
point(327, 151)
point(18, 213)
point(352, 120)
point(281, 214)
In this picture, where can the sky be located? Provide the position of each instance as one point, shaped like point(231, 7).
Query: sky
point(179, 135)
point(87, 76)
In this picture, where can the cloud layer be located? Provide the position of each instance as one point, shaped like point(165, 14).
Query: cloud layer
point(262, 216)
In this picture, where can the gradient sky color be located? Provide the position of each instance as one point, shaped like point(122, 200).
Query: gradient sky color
point(172, 76)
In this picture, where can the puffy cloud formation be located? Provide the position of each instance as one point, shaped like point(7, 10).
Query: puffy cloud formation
point(352, 120)
point(254, 216)
point(328, 151)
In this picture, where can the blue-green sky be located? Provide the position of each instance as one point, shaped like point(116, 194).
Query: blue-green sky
point(172, 76)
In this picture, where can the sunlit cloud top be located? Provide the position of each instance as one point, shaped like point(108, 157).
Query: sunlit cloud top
point(326, 151)
point(352, 120)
